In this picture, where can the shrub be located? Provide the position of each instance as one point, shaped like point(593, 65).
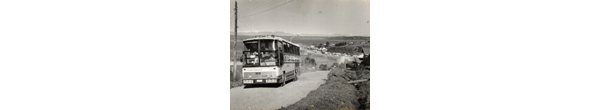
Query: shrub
point(353, 65)
point(365, 61)
point(333, 66)
point(346, 49)
point(308, 65)
point(313, 62)
point(323, 67)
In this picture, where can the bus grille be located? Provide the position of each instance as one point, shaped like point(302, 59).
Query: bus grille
point(259, 75)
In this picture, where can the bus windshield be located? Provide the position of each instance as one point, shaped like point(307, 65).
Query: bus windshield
point(251, 45)
point(260, 53)
point(267, 45)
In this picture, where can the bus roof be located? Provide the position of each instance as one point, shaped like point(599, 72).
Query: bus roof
point(271, 38)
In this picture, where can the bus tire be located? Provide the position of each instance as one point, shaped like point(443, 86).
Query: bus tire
point(295, 75)
point(283, 80)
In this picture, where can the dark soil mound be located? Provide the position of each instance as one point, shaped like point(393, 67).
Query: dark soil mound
point(336, 93)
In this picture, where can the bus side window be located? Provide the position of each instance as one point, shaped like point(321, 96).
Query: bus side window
point(279, 45)
point(280, 53)
point(296, 50)
point(293, 50)
point(285, 47)
point(290, 49)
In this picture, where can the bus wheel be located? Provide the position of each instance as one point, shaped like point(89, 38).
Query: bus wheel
point(283, 80)
point(295, 75)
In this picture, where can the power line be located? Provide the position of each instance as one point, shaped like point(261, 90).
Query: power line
point(250, 6)
point(246, 26)
point(266, 10)
point(255, 8)
point(255, 5)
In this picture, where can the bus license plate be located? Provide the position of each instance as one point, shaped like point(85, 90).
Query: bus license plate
point(259, 80)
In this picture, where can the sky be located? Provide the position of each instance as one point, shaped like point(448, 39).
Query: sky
point(345, 17)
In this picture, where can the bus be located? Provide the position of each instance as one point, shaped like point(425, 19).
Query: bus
point(269, 60)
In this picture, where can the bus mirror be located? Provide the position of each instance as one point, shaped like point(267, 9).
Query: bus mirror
point(242, 58)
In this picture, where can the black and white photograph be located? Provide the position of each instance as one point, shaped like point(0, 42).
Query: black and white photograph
point(299, 54)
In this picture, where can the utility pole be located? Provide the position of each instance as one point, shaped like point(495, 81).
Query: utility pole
point(235, 44)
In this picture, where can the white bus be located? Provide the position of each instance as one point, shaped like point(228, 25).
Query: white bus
point(270, 60)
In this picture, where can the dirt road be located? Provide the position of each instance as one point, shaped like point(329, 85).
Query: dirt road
point(273, 97)
point(344, 59)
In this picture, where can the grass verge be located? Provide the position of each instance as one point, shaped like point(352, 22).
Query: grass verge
point(237, 80)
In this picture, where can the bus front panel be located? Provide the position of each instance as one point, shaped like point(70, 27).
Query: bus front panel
point(260, 75)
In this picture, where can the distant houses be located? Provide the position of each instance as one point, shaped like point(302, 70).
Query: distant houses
point(322, 48)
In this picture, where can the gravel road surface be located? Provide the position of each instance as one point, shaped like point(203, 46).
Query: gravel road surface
point(274, 97)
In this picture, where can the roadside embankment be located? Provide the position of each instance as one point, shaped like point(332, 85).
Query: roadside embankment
point(344, 89)
point(235, 79)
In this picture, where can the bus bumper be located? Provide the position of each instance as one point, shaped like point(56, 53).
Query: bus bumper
point(260, 75)
point(261, 81)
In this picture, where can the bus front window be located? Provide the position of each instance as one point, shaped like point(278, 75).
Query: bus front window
point(251, 45)
point(268, 54)
point(260, 53)
point(267, 45)
point(250, 55)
